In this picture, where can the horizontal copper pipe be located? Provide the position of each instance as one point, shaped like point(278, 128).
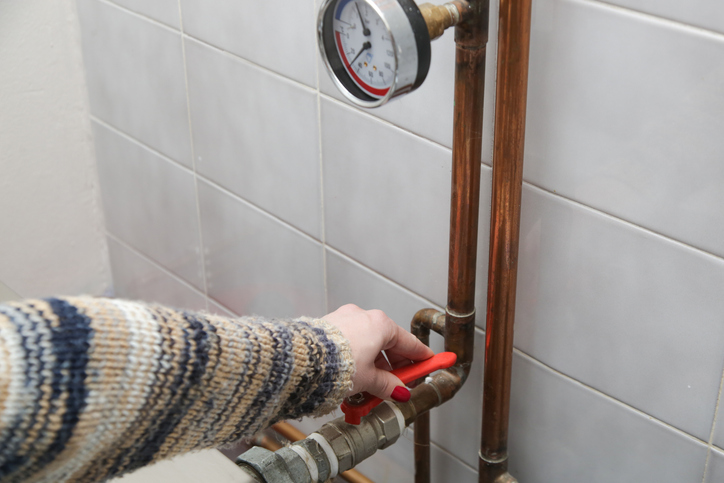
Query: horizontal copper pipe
point(289, 432)
point(267, 443)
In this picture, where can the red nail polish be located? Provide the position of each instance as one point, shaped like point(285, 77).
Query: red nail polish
point(401, 394)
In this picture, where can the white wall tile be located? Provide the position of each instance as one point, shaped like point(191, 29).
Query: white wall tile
point(625, 311)
point(166, 11)
point(135, 76)
point(136, 278)
point(708, 14)
point(281, 38)
point(562, 431)
point(715, 467)
point(350, 283)
point(445, 467)
point(149, 203)
point(256, 265)
point(624, 115)
point(386, 199)
point(256, 134)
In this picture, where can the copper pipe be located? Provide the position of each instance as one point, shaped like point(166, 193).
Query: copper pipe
point(471, 37)
point(293, 434)
point(510, 110)
point(422, 323)
point(289, 432)
point(267, 443)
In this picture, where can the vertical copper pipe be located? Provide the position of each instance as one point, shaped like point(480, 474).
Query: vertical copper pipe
point(510, 110)
point(422, 433)
point(471, 38)
point(422, 323)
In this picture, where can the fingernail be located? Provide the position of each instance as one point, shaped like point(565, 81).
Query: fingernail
point(401, 394)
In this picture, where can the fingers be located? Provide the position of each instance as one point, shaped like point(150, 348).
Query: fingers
point(386, 385)
point(403, 344)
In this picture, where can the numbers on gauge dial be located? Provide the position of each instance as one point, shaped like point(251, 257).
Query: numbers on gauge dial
point(365, 47)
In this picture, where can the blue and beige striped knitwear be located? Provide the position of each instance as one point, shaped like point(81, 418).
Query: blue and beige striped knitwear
point(91, 388)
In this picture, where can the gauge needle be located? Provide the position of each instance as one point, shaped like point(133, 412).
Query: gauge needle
point(365, 30)
point(365, 46)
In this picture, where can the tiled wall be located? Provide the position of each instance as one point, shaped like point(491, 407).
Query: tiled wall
point(235, 179)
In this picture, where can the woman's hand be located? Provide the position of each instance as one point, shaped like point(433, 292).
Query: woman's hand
point(370, 332)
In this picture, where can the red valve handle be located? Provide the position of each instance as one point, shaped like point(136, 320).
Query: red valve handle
point(357, 406)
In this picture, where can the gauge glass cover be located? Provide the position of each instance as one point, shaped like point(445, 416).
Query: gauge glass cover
point(365, 47)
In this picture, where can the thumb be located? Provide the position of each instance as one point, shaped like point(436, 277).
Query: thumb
point(386, 385)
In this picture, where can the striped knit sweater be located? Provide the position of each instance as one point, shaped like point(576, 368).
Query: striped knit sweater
point(91, 388)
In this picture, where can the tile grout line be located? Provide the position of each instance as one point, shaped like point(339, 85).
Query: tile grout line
point(153, 262)
point(202, 254)
point(713, 427)
point(323, 222)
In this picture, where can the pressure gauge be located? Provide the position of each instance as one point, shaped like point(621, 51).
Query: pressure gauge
point(374, 50)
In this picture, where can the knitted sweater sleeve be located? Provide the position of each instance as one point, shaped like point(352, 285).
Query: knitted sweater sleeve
point(91, 388)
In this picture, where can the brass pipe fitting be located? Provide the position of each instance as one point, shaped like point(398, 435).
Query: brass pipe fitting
point(293, 434)
point(441, 17)
point(331, 451)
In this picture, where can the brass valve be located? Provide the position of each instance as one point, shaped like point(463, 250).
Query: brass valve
point(440, 17)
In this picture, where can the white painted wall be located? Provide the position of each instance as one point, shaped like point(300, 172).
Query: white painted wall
point(51, 240)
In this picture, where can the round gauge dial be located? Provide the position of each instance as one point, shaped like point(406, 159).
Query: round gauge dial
point(374, 50)
point(365, 47)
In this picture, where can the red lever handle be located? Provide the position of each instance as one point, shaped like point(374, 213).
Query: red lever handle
point(359, 405)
